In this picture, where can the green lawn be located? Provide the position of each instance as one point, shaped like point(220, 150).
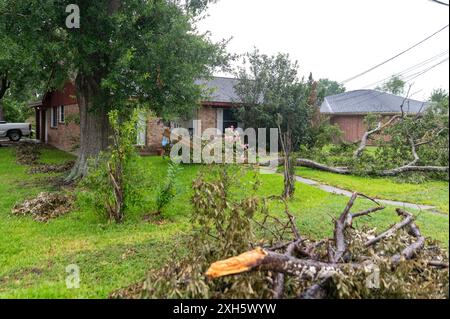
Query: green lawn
point(434, 193)
point(34, 256)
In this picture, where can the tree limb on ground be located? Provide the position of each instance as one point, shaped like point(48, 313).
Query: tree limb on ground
point(311, 164)
point(319, 271)
point(388, 172)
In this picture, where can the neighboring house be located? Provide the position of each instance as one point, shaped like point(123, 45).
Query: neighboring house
point(349, 109)
point(57, 116)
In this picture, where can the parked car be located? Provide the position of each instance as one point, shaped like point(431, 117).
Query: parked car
point(15, 131)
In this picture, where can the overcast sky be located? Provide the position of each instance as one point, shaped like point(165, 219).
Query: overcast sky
point(339, 39)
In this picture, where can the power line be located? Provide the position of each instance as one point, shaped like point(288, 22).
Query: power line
point(440, 2)
point(401, 73)
point(373, 94)
point(415, 75)
point(395, 56)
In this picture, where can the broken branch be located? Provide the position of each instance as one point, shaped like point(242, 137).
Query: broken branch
point(407, 220)
point(364, 139)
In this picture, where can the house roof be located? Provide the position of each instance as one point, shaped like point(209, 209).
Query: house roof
point(221, 89)
point(369, 101)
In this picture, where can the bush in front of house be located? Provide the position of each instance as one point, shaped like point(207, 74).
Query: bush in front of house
point(115, 182)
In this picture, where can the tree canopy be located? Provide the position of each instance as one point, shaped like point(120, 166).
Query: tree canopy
point(270, 90)
point(19, 66)
point(395, 85)
point(125, 53)
point(326, 87)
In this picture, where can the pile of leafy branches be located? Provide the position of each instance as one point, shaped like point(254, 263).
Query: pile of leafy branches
point(286, 264)
point(45, 206)
point(27, 153)
point(51, 168)
point(397, 263)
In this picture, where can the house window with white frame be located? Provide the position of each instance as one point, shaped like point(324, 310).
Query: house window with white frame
point(62, 115)
point(54, 117)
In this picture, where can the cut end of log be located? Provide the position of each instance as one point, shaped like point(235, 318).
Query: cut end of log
point(237, 265)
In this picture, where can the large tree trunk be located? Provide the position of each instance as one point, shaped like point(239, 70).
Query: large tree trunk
point(2, 114)
point(5, 84)
point(94, 126)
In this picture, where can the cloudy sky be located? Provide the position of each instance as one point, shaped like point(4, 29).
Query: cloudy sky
point(339, 39)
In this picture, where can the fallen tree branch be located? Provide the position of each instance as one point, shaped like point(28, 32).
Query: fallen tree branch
point(344, 221)
point(322, 272)
point(388, 172)
point(364, 139)
point(260, 259)
point(410, 251)
point(318, 291)
point(367, 211)
point(414, 152)
point(279, 279)
point(407, 220)
point(407, 168)
point(311, 164)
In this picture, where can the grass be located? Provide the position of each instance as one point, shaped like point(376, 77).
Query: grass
point(34, 256)
point(434, 193)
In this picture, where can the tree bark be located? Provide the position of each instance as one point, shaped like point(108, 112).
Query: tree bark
point(289, 174)
point(410, 251)
point(279, 277)
point(407, 220)
point(388, 172)
point(311, 164)
point(94, 126)
point(366, 136)
point(2, 113)
point(260, 259)
point(5, 84)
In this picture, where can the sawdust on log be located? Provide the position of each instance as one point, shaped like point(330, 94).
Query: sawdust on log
point(236, 265)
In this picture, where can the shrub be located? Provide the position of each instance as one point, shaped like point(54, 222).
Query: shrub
point(114, 180)
point(168, 191)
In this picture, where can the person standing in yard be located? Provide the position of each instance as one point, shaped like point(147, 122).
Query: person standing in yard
point(166, 142)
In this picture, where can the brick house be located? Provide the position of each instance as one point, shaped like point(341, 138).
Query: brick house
point(57, 125)
point(349, 109)
point(57, 120)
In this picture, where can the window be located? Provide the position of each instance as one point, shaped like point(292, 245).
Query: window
point(61, 114)
point(229, 119)
point(54, 119)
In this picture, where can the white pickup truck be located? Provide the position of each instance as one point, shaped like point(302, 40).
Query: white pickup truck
point(15, 131)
